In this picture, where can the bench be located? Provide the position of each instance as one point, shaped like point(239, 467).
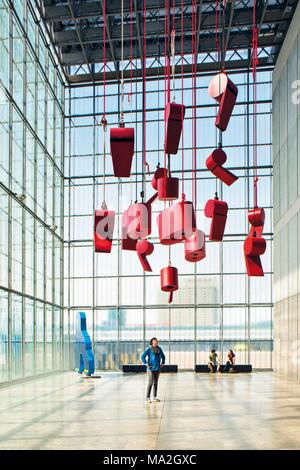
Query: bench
point(127, 368)
point(202, 368)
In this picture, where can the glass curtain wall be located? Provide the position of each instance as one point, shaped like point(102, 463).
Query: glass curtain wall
point(31, 196)
point(217, 305)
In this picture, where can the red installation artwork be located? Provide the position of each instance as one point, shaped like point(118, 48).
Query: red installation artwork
point(169, 280)
point(224, 91)
point(217, 211)
point(174, 115)
point(194, 247)
point(104, 222)
point(214, 163)
point(122, 149)
point(176, 223)
point(255, 244)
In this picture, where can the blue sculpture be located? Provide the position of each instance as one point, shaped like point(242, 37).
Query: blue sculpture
point(83, 346)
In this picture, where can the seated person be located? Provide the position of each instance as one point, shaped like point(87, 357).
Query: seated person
point(214, 363)
point(230, 361)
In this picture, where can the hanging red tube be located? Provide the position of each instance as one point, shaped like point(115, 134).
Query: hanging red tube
point(104, 223)
point(224, 91)
point(217, 211)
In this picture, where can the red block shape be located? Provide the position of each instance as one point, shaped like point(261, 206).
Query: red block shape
point(174, 115)
point(122, 149)
point(255, 245)
point(169, 280)
point(214, 163)
point(104, 222)
point(217, 211)
point(224, 91)
point(194, 247)
point(144, 248)
point(168, 188)
point(176, 223)
point(127, 243)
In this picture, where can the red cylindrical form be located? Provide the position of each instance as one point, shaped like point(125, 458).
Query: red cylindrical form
point(254, 246)
point(194, 247)
point(104, 222)
point(214, 163)
point(168, 188)
point(169, 279)
point(159, 173)
point(122, 149)
point(144, 248)
point(139, 220)
point(217, 211)
point(127, 243)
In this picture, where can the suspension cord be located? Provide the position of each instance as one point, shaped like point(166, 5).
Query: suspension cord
point(254, 74)
point(194, 110)
point(103, 120)
point(182, 94)
point(122, 66)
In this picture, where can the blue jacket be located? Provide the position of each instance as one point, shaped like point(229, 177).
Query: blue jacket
point(154, 360)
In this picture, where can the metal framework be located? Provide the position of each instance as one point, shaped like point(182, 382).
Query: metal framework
point(75, 28)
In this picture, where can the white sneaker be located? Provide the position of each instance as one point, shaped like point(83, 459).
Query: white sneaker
point(156, 399)
point(148, 401)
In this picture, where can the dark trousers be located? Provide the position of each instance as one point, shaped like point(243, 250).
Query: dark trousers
point(228, 367)
point(153, 377)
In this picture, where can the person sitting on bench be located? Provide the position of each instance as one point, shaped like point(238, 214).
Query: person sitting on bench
point(230, 361)
point(214, 363)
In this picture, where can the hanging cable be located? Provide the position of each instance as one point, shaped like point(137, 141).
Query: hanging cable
point(182, 93)
point(122, 66)
point(254, 75)
point(103, 120)
point(194, 110)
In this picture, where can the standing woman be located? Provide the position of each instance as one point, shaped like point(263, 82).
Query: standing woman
point(155, 359)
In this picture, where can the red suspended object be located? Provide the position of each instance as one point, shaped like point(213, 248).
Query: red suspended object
point(224, 91)
point(159, 173)
point(104, 223)
point(127, 243)
point(144, 248)
point(169, 280)
point(255, 245)
point(214, 163)
point(194, 247)
point(122, 149)
point(174, 115)
point(217, 211)
point(168, 188)
point(176, 223)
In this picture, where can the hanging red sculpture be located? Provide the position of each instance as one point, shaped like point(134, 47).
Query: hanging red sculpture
point(122, 149)
point(174, 115)
point(217, 211)
point(169, 280)
point(159, 173)
point(168, 188)
point(104, 222)
point(194, 247)
point(176, 223)
point(144, 248)
point(255, 244)
point(214, 163)
point(139, 220)
point(224, 91)
point(127, 243)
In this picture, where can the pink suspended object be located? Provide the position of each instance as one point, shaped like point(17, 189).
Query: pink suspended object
point(255, 245)
point(176, 223)
point(194, 247)
point(144, 248)
point(104, 223)
point(139, 220)
point(224, 91)
point(214, 163)
point(174, 115)
point(122, 149)
point(169, 280)
point(217, 211)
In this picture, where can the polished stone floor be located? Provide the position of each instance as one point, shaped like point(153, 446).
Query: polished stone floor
point(64, 411)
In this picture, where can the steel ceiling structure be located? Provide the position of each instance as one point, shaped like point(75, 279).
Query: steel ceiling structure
point(75, 28)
